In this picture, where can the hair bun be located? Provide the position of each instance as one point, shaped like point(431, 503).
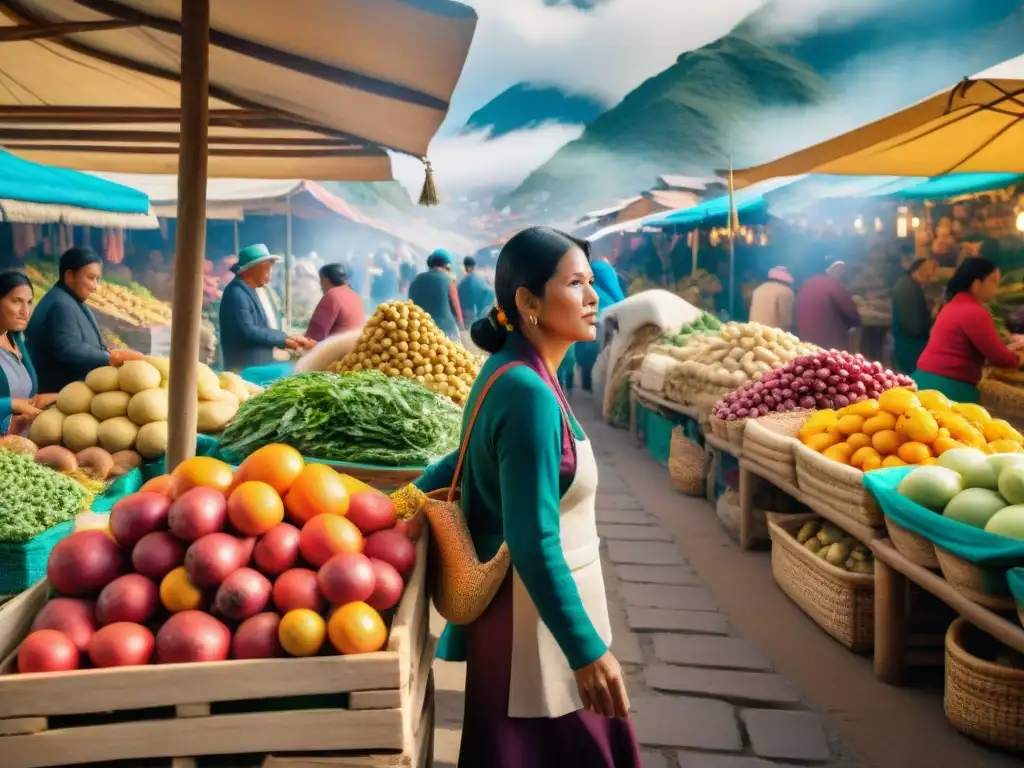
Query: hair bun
point(488, 333)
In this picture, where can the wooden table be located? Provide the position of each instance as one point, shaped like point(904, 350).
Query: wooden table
point(892, 573)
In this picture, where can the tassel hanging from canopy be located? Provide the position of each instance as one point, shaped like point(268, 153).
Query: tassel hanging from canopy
point(428, 196)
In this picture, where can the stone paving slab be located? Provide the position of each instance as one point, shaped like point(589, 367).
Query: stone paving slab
point(786, 735)
point(617, 501)
point(644, 553)
point(665, 620)
point(687, 759)
point(745, 687)
point(632, 532)
point(684, 722)
point(661, 596)
point(707, 651)
point(674, 575)
point(625, 644)
point(625, 516)
point(654, 760)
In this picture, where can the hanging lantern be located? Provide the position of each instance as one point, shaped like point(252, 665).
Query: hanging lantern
point(878, 224)
point(858, 224)
point(915, 223)
point(1020, 221)
point(763, 240)
point(713, 238)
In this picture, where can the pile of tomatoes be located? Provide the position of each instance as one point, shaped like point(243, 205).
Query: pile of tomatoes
point(276, 558)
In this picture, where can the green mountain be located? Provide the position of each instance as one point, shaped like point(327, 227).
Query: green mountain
point(526, 105)
point(675, 122)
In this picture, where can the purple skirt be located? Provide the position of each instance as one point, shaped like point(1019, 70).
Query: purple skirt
point(492, 739)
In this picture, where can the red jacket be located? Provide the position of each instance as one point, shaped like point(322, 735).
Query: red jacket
point(962, 339)
point(339, 310)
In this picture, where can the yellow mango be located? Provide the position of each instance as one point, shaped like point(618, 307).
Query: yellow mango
point(934, 400)
point(850, 425)
point(865, 408)
point(893, 461)
point(945, 443)
point(871, 463)
point(960, 429)
point(930, 461)
point(886, 441)
point(826, 416)
point(882, 421)
point(858, 441)
point(943, 432)
point(823, 440)
point(1005, 446)
point(918, 425)
point(999, 429)
point(840, 452)
point(897, 400)
point(862, 455)
point(974, 413)
point(914, 452)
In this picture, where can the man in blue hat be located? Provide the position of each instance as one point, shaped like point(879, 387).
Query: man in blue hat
point(247, 336)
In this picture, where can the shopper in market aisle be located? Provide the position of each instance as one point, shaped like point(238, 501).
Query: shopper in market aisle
point(773, 302)
point(339, 310)
point(63, 337)
point(475, 296)
point(825, 312)
point(435, 293)
point(247, 338)
point(19, 403)
point(964, 336)
point(609, 293)
point(911, 315)
point(542, 689)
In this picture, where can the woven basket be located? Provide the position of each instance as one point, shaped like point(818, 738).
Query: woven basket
point(838, 485)
point(718, 427)
point(916, 548)
point(735, 432)
point(983, 586)
point(1003, 400)
point(776, 432)
point(983, 700)
point(841, 603)
point(24, 564)
point(685, 464)
point(769, 464)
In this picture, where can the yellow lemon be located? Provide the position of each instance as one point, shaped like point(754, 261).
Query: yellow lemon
point(302, 632)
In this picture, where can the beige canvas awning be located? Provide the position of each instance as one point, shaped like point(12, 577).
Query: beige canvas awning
point(975, 127)
point(313, 89)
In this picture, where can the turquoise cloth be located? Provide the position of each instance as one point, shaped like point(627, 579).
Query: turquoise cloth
point(1015, 578)
point(957, 391)
point(516, 471)
point(965, 541)
point(34, 183)
point(265, 375)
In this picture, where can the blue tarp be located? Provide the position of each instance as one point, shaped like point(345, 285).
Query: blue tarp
point(713, 212)
point(35, 183)
point(956, 184)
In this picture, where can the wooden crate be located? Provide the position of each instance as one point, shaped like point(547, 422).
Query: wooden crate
point(370, 711)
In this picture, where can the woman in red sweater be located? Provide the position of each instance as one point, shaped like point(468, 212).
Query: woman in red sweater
point(964, 336)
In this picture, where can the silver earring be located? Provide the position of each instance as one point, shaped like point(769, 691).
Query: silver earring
point(533, 320)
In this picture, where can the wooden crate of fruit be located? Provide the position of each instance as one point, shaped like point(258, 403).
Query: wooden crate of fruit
point(363, 710)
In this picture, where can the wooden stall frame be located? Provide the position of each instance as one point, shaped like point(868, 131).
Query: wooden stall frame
point(389, 695)
point(893, 571)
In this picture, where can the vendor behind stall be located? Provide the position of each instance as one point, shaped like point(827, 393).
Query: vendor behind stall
point(911, 315)
point(341, 309)
point(825, 312)
point(63, 338)
point(964, 336)
point(246, 336)
point(773, 301)
point(19, 403)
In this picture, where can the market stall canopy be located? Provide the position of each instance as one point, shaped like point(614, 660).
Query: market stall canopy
point(975, 127)
point(315, 89)
point(31, 193)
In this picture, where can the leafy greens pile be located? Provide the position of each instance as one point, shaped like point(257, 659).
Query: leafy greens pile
point(34, 498)
point(705, 323)
point(360, 418)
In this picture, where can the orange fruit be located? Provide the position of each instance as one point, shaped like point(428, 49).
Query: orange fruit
point(356, 628)
point(317, 490)
point(302, 632)
point(871, 463)
point(178, 593)
point(862, 455)
point(325, 536)
point(851, 424)
point(914, 452)
point(893, 461)
point(254, 507)
point(200, 471)
point(883, 420)
point(858, 441)
point(354, 485)
point(886, 441)
point(160, 484)
point(276, 464)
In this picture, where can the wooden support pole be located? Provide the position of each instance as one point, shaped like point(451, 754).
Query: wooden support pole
point(190, 247)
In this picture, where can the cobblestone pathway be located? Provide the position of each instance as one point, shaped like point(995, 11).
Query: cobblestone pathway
point(702, 697)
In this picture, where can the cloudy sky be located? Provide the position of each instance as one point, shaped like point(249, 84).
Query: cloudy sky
point(606, 52)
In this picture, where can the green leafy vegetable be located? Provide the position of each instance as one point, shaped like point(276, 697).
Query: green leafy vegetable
point(34, 498)
point(706, 323)
point(361, 418)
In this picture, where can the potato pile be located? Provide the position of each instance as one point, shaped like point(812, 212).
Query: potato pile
point(400, 339)
point(120, 411)
point(836, 547)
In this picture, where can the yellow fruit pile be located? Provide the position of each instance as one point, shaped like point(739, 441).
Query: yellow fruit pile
point(904, 427)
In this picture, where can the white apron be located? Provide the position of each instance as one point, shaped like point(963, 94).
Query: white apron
point(542, 683)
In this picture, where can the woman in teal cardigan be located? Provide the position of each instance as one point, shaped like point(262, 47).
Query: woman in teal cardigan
point(542, 688)
point(19, 403)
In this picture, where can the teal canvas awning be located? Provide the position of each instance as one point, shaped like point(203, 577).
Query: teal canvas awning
point(31, 193)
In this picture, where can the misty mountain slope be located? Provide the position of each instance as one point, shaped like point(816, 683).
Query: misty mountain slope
point(674, 122)
point(526, 105)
